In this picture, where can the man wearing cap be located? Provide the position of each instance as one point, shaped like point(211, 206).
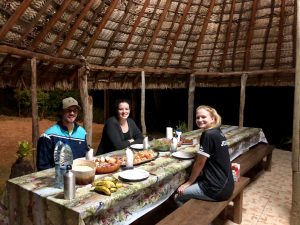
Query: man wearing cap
point(65, 130)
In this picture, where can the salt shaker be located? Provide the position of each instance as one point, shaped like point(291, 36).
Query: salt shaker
point(69, 184)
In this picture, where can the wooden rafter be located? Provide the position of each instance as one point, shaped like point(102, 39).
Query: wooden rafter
point(65, 27)
point(294, 36)
point(181, 23)
point(280, 34)
point(161, 53)
point(236, 39)
point(33, 22)
point(100, 27)
point(14, 17)
point(250, 35)
point(111, 40)
point(190, 33)
point(267, 34)
point(135, 25)
point(227, 38)
point(217, 36)
point(145, 32)
point(156, 31)
point(202, 33)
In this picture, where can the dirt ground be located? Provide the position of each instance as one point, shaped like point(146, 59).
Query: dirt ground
point(14, 129)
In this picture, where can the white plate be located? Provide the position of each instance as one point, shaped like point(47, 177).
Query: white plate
point(134, 174)
point(137, 146)
point(183, 155)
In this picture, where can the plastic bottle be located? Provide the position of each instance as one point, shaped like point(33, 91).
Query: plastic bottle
point(69, 184)
point(57, 149)
point(146, 143)
point(65, 158)
point(129, 156)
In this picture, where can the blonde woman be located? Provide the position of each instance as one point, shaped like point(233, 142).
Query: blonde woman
point(211, 177)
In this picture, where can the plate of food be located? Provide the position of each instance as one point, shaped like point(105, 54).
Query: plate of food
point(134, 174)
point(183, 155)
point(107, 164)
point(137, 146)
point(141, 157)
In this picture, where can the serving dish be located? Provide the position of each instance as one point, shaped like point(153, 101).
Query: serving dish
point(141, 157)
point(183, 155)
point(84, 171)
point(107, 164)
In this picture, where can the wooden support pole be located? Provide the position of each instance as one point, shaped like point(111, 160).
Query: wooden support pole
point(242, 99)
point(191, 102)
point(143, 84)
point(87, 104)
point(295, 212)
point(34, 109)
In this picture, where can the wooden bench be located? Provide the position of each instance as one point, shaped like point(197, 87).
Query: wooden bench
point(259, 155)
point(200, 212)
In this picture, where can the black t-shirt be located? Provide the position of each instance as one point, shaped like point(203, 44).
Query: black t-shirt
point(216, 180)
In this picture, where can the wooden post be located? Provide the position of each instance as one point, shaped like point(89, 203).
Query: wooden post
point(106, 105)
point(242, 99)
point(143, 124)
point(191, 102)
point(87, 104)
point(34, 110)
point(295, 212)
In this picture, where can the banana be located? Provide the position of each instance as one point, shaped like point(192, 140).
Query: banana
point(119, 185)
point(103, 189)
point(113, 189)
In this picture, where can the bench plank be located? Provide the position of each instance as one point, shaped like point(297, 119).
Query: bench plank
point(201, 212)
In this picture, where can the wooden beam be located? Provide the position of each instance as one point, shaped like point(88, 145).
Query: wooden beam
point(268, 28)
point(143, 84)
point(203, 31)
point(280, 34)
point(34, 109)
point(135, 25)
point(227, 38)
point(249, 73)
point(117, 30)
point(39, 56)
point(217, 36)
point(100, 27)
point(190, 34)
point(250, 35)
point(192, 86)
point(168, 38)
point(14, 17)
point(236, 39)
point(181, 23)
point(145, 33)
point(50, 25)
point(87, 104)
point(242, 99)
point(295, 211)
point(157, 29)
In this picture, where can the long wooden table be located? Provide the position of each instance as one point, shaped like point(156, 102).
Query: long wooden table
point(33, 199)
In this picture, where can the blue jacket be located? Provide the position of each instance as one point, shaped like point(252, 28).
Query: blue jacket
point(58, 132)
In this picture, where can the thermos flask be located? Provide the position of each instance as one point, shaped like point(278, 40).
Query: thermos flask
point(69, 184)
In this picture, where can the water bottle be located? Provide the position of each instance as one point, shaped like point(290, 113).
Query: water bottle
point(69, 183)
point(65, 158)
point(57, 149)
point(146, 143)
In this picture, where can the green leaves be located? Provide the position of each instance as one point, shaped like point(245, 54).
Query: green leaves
point(24, 150)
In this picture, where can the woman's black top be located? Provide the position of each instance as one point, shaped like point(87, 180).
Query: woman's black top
point(113, 137)
point(217, 180)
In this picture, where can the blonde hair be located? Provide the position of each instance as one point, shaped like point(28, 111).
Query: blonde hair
point(213, 113)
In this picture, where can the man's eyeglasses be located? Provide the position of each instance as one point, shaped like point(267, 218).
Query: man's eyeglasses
point(75, 110)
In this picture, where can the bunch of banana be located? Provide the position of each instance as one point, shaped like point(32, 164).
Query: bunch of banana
point(107, 185)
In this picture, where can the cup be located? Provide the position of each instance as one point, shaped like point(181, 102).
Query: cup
point(178, 134)
point(169, 133)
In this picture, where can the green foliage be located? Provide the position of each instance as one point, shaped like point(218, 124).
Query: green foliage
point(182, 126)
point(24, 150)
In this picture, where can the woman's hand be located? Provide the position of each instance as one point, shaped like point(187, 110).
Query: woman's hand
point(184, 186)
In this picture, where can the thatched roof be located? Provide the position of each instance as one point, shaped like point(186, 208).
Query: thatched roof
point(169, 39)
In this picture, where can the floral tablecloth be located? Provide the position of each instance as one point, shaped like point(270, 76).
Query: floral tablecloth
point(33, 199)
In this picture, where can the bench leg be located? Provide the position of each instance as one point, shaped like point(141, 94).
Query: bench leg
point(238, 208)
point(268, 162)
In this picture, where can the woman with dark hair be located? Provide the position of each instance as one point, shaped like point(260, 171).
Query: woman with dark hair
point(119, 131)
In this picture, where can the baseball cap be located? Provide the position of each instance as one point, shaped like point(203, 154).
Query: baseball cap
point(67, 102)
